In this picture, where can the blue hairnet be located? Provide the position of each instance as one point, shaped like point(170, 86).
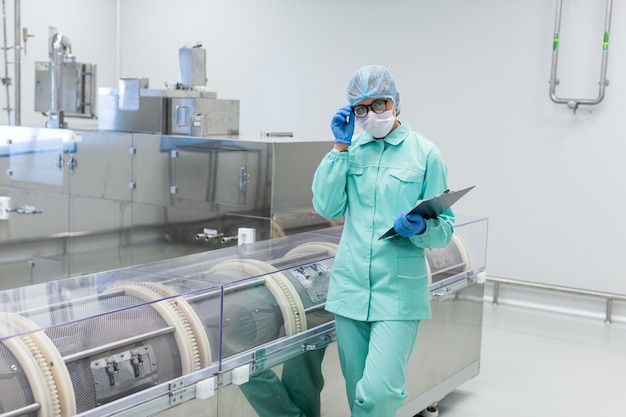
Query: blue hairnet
point(372, 81)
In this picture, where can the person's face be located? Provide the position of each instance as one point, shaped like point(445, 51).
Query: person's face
point(372, 114)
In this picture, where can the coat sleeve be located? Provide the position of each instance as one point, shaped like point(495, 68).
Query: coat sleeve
point(438, 232)
point(329, 185)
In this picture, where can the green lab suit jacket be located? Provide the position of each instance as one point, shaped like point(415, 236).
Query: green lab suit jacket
point(370, 185)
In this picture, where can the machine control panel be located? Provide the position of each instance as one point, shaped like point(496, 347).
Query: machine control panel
point(124, 373)
point(314, 278)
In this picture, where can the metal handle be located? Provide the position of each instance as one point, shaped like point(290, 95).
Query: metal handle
point(182, 113)
point(25, 210)
point(279, 134)
point(59, 161)
point(573, 103)
point(243, 178)
point(72, 163)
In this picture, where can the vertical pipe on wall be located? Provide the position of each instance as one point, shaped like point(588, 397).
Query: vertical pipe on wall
point(6, 81)
point(118, 23)
point(18, 63)
point(573, 103)
point(555, 51)
point(605, 46)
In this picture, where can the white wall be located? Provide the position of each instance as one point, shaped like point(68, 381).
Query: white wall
point(473, 76)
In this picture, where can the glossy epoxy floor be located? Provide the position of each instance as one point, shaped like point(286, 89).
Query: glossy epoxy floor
point(536, 364)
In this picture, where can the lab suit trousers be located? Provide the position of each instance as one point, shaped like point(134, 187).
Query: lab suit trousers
point(374, 357)
point(295, 394)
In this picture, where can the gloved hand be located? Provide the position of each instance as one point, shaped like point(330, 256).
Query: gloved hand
point(409, 224)
point(342, 125)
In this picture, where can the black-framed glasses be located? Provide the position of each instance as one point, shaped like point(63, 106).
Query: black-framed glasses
point(378, 106)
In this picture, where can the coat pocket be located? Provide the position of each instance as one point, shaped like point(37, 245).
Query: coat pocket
point(414, 299)
point(407, 185)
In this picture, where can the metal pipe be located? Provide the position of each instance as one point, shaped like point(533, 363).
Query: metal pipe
point(449, 268)
point(6, 81)
point(118, 36)
point(22, 411)
point(56, 54)
point(496, 293)
point(573, 103)
point(609, 310)
point(74, 302)
point(608, 297)
point(555, 51)
point(557, 288)
point(17, 88)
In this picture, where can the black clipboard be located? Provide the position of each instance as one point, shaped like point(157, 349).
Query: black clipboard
point(430, 209)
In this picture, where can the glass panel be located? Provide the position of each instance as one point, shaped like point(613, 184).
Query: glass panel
point(37, 155)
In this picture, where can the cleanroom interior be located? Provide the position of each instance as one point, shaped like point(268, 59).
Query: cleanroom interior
point(474, 77)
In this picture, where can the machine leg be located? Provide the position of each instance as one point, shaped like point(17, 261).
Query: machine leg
point(430, 411)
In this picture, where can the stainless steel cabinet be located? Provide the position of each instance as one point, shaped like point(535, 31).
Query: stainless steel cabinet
point(98, 200)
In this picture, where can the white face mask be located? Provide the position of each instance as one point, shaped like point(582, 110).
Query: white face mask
point(377, 125)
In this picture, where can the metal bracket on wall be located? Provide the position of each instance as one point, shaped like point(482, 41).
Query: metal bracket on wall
point(573, 103)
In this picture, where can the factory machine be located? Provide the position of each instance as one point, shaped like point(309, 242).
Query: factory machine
point(187, 108)
point(192, 335)
point(64, 87)
point(164, 175)
point(77, 202)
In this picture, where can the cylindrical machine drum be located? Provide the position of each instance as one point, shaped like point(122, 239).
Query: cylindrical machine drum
point(446, 262)
point(107, 356)
point(72, 357)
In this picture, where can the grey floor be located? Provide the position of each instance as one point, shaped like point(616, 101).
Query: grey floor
point(536, 364)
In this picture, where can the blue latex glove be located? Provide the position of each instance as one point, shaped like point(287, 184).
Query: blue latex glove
point(409, 224)
point(342, 125)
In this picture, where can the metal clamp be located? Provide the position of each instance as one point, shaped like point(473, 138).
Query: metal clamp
point(25, 210)
point(315, 346)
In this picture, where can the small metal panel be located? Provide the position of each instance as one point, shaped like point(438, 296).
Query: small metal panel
point(99, 234)
point(216, 117)
point(224, 176)
point(294, 166)
point(103, 166)
point(151, 117)
point(211, 175)
point(27, 253)
point(449, 342)
point(26, 236)
point(222, 116)
point(38, 160)
point(179, 115)
point(314, 279)
point(192, 67)
point(124, 373)
point(151, 170)
point(219, 175)
point(78, 96)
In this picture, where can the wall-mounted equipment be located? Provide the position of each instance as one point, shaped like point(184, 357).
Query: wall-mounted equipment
point(573, 103)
